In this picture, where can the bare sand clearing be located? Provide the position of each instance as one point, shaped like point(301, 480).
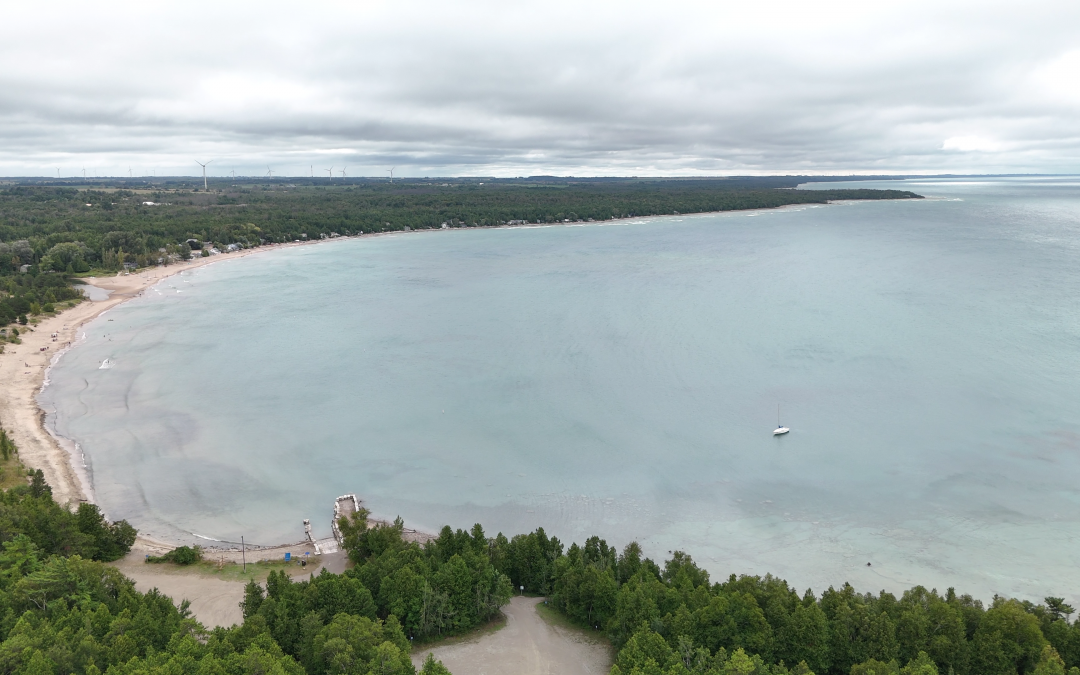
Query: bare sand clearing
point(527, 645)
point(215, 601)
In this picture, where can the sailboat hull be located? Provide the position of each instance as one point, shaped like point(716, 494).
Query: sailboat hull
point(780, 431)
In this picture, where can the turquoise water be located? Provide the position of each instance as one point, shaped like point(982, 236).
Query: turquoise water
point(623, 379)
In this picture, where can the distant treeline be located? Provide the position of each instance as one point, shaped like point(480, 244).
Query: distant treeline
point(50, 234)
point(71, 230)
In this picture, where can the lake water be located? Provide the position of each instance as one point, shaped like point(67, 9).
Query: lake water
point(623, 379)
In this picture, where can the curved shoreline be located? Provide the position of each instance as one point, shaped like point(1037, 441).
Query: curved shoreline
point(23, 417)
point(20, 413)
point(60, 458)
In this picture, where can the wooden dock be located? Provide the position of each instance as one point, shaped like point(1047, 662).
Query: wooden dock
point(344, 506)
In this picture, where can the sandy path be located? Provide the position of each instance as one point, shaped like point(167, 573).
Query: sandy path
point(527, 645)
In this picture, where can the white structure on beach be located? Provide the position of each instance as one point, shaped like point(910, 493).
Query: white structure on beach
point(344, 506)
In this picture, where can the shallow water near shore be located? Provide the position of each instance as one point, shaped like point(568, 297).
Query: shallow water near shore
point(622, 379)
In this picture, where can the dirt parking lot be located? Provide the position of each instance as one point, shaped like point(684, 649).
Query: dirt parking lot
point(214, 602)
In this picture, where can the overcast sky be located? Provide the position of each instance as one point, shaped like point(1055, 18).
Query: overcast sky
point(524, 88)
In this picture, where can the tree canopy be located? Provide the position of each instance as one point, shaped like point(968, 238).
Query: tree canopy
point(62, 610)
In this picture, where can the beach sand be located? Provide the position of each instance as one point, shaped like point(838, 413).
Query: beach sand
point(23, 368)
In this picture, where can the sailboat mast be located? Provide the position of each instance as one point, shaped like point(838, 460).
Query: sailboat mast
point(780, 428)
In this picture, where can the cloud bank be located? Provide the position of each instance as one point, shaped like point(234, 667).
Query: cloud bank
point(506, 89)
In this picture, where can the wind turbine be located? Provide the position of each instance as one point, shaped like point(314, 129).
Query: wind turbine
point(57, 172)
point(269, 172)
point(233, 172)
point(84, 173)
point(203, 173)
point(312, 167)
point(129, 172)
point(391, 170)
point(331, 172)
point(343, 173)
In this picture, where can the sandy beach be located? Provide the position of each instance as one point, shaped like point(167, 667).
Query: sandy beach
point(23, 369)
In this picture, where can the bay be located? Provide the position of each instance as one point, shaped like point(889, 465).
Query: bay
point(622, 379)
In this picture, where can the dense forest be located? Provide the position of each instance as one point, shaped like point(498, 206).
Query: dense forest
point(52, 233)
point(63, 610)
point(673, 620)
point(65, 229)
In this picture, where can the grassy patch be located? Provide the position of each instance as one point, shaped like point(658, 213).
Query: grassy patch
point(93, 273)
point(474, 634)
point(234, 571)
point(12, 473)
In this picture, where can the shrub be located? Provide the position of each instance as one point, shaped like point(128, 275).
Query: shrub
point(182, 555)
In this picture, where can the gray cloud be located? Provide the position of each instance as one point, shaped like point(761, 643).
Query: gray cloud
point(513, 89)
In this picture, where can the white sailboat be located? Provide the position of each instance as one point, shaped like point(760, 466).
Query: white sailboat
point(780, 429)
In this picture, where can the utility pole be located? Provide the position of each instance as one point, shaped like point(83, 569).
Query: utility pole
point(243, 552)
